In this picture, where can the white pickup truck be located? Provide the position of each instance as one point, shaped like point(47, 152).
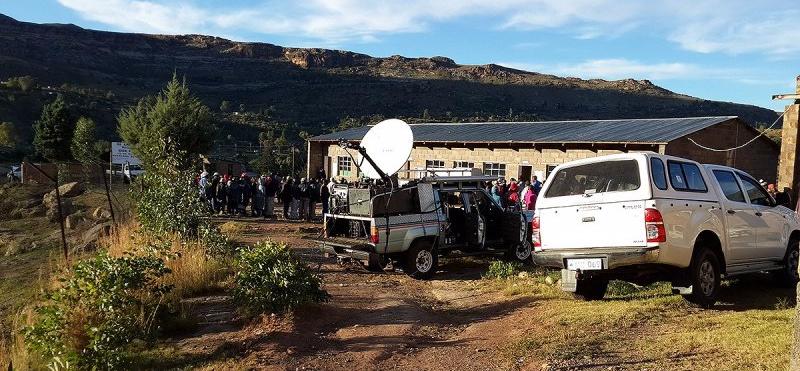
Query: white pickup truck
point(646, 217)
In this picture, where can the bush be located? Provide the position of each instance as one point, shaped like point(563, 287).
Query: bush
point(100, 307)
point(269, 279)
point(501, 270)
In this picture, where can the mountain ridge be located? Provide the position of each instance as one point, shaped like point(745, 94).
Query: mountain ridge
point(315, 87)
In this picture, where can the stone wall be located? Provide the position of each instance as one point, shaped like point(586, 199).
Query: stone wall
point(760, 158)
point(538, 157)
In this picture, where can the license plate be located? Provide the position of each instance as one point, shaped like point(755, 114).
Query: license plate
point(592, 264)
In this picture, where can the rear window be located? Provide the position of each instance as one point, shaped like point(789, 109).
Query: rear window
point(405, 201)
point(659, 173)
point(608, 176)
point(686, 177)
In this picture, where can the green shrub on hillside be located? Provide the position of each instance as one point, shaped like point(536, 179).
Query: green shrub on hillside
point(100, 307)
point(269, 279)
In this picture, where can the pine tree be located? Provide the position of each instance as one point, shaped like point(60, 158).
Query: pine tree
point(83, 141)
point(7, 135)
point(53, 132)
point(168, 131)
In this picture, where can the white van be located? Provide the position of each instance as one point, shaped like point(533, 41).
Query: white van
point(646, 217)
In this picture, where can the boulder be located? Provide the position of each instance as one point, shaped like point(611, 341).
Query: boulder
point(68, 190)
point(71, 189)
point(73, 220)
point(52, 211)
point(101, 213)
point(99, 230)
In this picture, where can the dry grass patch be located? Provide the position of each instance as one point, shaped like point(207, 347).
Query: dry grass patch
point(193, 270)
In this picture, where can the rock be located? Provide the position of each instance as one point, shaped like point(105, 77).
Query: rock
point(99, 230)
point(52, 210)
point(73, 220)
point(71, 189)
point(101, 213)
point(67, 190)
point(549, 280)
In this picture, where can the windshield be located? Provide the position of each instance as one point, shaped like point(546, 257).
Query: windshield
point(608, 176)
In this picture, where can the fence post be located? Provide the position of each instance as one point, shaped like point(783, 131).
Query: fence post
point(61, 217)
point(60, 211)
point(108, 194)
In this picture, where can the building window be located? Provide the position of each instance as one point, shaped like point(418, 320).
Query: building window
point(494, 169)
point(463, 164)
point(547, 171)
point(344, 165)
point(434, 164)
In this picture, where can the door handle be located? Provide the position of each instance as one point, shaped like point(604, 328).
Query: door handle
point(731, 211)
point(758, 213)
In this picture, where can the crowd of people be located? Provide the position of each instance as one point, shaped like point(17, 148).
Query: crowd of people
point(252, 195)
point(515, 194)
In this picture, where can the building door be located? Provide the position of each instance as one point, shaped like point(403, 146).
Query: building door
point(525, 172)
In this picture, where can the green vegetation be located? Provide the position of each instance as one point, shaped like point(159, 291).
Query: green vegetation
point(269, 279)
point(53, 131)
point(499, 269)
point(100, 306)
point(23, 83)
point(225, 106)
point(8, 135)
point(168, 131)
point(84, 141)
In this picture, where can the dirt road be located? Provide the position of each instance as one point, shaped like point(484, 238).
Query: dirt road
point(457, 321)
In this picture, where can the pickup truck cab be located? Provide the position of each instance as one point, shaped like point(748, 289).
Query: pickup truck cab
point(411, 226)
point(646, 217)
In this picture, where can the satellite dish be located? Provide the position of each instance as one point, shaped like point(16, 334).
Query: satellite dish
point(389, 145)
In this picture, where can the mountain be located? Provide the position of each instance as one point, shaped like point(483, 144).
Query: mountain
point(100, 72)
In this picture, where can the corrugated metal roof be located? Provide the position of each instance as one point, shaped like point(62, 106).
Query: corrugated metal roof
point(583, 131)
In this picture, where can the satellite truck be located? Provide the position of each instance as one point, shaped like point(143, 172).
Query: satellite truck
point(385, 223)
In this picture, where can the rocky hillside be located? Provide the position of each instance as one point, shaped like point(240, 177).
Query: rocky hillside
point(314, 88)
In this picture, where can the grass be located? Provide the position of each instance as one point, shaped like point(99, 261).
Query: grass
point(648, 327)
point(193, 271)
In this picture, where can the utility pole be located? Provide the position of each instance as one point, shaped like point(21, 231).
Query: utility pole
point(789, 176)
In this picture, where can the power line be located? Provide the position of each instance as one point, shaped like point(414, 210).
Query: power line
point(746, 143)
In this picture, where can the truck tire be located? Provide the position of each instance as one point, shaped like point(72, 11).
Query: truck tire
point(421, 260)
point(520, 252)
point(789, 275)
point(704, 277)
point(593, 288)
point(377, 262)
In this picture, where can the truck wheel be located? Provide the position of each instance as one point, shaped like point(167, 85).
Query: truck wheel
point(591, 288)
point(377, 262)
point(421, 260)
point(704, 276)
point(520, 252)
point(789, 275)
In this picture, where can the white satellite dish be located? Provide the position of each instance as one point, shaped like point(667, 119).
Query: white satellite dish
point(389, 144)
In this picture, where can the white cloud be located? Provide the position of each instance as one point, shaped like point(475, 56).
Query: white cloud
point(732, 26)
point(615, 69)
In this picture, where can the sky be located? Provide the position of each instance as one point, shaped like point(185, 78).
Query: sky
point(739, 51)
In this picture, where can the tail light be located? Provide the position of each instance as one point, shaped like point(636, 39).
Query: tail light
point(373, 235)
point(654, 226)
point(536, 237)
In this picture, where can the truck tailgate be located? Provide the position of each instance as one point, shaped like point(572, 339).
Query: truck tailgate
point(612, 224)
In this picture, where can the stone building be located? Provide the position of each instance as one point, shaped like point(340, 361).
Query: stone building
point(522, 149)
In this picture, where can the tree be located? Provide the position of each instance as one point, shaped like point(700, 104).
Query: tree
point(84, 140)
point(168, 131)
point(53, 131)
point(8, 136)
point(225, 106)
